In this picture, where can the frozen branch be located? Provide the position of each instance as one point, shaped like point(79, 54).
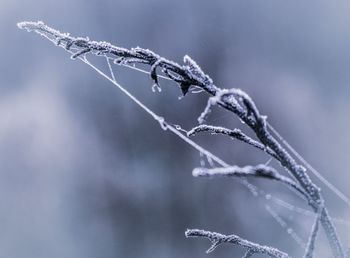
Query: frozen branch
point(203, 117)
point(252, 248)
point(235, 133)
point(185, 75)
point(260, 171)
point(310, 248)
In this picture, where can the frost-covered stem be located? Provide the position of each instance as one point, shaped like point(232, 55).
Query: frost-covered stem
point(310, 248)
point(235, 133)
point(252, 248)
point(184, 75)
point(300, 174)
point(258, 124)
point(261, 171)
point(189, 74)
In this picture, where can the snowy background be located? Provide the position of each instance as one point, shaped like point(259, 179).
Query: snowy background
point(85, 173)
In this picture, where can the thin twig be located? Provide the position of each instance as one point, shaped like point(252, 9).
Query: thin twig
point(235, 133)
point(310, 248)
point(216, 239)
point(261, 171)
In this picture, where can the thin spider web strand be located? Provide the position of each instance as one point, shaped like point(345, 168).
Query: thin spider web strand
point(333, 188)
point(303, 211)
point(110, 69)
point(290, 231)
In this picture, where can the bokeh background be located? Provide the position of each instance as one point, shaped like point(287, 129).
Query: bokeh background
point(86, 173)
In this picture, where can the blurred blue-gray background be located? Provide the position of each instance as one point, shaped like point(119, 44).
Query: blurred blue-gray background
point(85, 173)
